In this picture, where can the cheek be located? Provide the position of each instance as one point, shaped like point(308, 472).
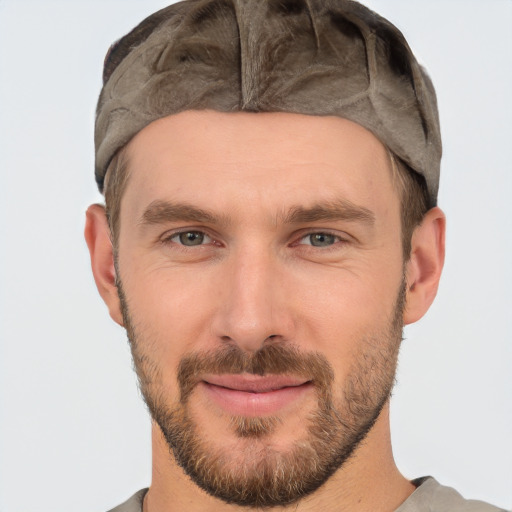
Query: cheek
point(345, 299)
point(349, 317)
point(171, 310)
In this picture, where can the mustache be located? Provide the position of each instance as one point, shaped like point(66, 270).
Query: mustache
point(271, 359)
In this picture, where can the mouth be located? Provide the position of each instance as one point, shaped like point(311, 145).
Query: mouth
point(254, 395)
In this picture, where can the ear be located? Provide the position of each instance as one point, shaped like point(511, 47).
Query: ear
point(423, 270)
point(97, 236)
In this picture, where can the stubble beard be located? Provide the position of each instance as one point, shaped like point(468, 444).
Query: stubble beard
point(262, 476)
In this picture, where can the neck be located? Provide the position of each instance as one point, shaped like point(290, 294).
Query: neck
point(368, 481)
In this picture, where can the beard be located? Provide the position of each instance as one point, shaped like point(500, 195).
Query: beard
point(256, 473)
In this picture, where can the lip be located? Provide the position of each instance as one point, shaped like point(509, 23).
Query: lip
point(254, 395)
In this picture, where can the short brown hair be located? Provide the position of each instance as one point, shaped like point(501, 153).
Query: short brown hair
point(116, 179)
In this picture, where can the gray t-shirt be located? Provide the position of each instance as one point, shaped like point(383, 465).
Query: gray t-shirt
point(429, 496)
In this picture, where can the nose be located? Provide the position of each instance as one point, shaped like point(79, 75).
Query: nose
point(252, 308)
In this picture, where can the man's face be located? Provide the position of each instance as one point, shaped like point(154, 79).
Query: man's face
point(260, 267)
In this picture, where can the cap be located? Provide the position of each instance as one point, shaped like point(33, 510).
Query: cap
point(315, 57)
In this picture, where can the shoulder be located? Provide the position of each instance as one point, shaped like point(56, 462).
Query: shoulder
point(431, 496)
point(133, 504)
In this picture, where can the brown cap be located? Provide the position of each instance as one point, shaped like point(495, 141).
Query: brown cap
point(316, 57)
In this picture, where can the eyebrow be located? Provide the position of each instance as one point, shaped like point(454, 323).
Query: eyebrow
point(330, 211)
point(161, 212)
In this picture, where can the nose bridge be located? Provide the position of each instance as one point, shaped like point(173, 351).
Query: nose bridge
point(251, 310)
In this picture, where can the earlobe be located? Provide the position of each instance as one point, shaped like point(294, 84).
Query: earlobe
point(423, 270)
point(97, 236)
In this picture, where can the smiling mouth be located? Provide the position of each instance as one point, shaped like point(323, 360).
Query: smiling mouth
point(254, 395)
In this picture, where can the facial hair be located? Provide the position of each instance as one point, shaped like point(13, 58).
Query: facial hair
point(264, 476)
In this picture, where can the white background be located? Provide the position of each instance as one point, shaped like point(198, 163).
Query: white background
point(74, 434)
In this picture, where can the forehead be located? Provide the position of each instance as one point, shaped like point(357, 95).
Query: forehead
point(268, 160)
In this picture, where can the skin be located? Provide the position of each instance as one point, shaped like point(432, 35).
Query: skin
point(257, 279)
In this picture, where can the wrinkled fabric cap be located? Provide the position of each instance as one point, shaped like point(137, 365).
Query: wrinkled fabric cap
point(316, 57)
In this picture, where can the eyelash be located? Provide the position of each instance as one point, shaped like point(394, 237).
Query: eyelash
point(169, 239)
point(337, 238)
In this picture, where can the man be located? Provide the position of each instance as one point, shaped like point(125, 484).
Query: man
point(270, 172)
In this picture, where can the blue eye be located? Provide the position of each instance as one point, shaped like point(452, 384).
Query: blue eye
point(320, 239)
point(191, 238)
